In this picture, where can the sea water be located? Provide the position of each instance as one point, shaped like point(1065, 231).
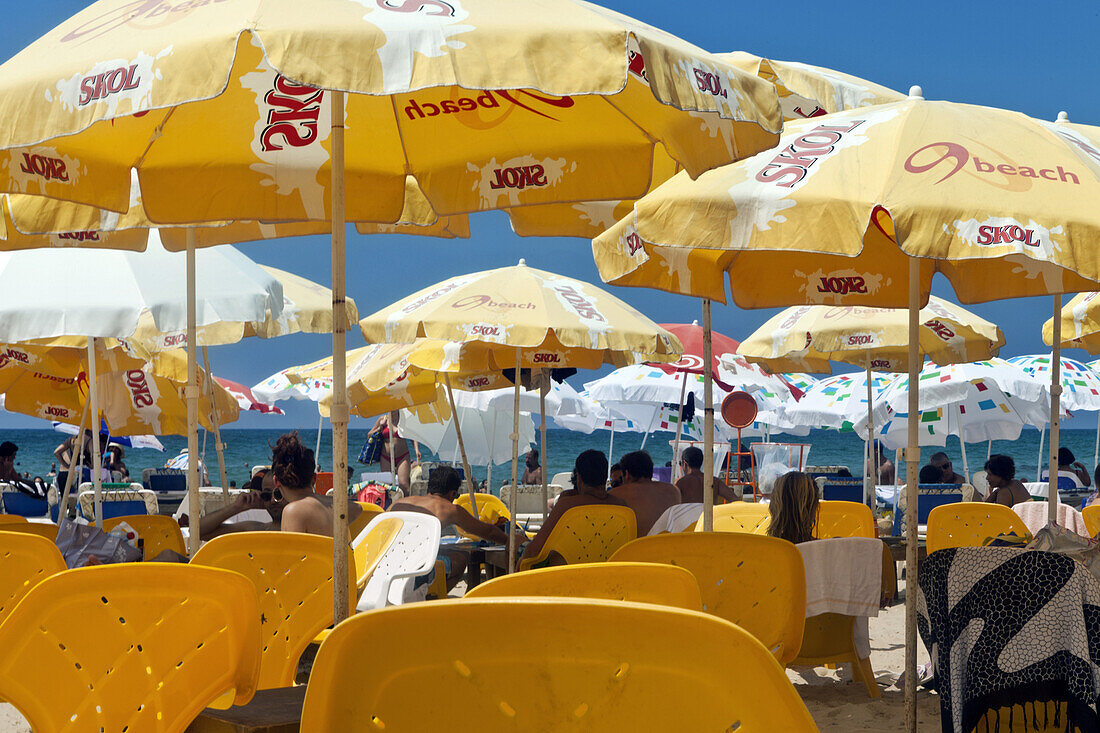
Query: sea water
point(247, 448)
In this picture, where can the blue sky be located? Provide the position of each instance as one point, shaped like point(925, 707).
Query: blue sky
point(1024, 56)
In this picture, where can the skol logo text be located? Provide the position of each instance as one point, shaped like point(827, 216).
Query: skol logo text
point(101, 86)
point(54, 411)
point(292, 119)
point(941, 329)
point(842, 285)
point(519, 178)
point(633, 242)
point(1006, 235)
point(477, 382)
point(86, 236)
point(480, 330)
point(793, 163)
point(881, 364)
point(579, 303)
point(52, 169)
point(541, 358)
point(956, 157)
point(139, 388)
point(710, 83)
point(859, 339)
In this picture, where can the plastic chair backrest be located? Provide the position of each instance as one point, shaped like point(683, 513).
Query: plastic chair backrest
point(12, 518)
point(843, 489)
point(640, 582)
point(410, 554)
point(119, 500)
point(25, 561)
point(1068, 483)
point(158, 533)
point(739, 516)
point(929, 496)
point(370, 511)
point(292, 576)
point(1092, 519)
point(371, 544)
point(970, 523)
point(562, 479)
point(844, 519)
point(754, 581)
point(154, 645)
point(489, 509)
point(629, 677)
point(590, 533)
point(18, 503)
point(46, 531)
point(166, 480)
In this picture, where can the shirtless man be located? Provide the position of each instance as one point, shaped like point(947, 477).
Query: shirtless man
point(444, 486)
point(942, 462)
point(691, 483)
point(589, 487)
point(648, 498)
point(532, 471)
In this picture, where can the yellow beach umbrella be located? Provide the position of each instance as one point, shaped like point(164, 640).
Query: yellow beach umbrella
point(862, 207)
point(1080, 324)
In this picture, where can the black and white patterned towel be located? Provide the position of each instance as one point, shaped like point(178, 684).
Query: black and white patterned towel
point(1006, 627)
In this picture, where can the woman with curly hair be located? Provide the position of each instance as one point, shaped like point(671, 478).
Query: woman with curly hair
point(793, 508)
point(293, 467)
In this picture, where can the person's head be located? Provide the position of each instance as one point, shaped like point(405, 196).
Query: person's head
point(232, 484)
point(532, 459)
point(793, 507)
point(942, 462)
point(637, 466)
point(615, 475)
point(930, 475)
point(1065, 457)
point(292, 463)
point(693, 457)
point(444, 481)
point(8, 450)
point(1000, 469)
point(590, 470)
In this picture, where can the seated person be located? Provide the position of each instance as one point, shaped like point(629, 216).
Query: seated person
point(589, 481)
point(532, 471)
point(930, 475)
point(1003, 486)
point(793, 508)
point(615, 476)
point(1069, 466)
point(885, 466)
point(948, 475)
point(648, 498)
point(8, 475)
point(691, 483)
point(444, 486)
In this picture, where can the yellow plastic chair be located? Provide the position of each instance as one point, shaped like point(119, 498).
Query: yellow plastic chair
point(579, 665)
point(829, 638)
point(640, 582)
point(157, 532)
point(292, 576)
point(12, 519)
point(588, 534)
point(25, 561)
point(1092, 519)
point(42, 529)
point(970, 524)
point(844, 519)
point(754, 581)
point(489, 510)
point(130, 647)
point(370, 546)
point(370, 511)
point(437, 590)
point(739, 516)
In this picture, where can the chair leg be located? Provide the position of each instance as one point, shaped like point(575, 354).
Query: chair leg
point(861, 670)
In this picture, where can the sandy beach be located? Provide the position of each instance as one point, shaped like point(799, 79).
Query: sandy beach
point(836, 703)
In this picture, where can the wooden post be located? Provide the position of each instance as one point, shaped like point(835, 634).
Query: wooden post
point(461, 446)
point(912, 470)
point(77, 450)
point(191, 392)
point(512, 501)
point(870, 478)
point(1055, 411)
point(216, 420)
point(708, 423)
point(338, 414)
point(543, 389)
point(93, 400)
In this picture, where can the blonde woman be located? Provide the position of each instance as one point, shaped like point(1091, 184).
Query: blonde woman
point(793, 508)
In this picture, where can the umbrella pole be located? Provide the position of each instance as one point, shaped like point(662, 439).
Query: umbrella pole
point(653, 419)
point(611, 443)
point(194, 508)
point(870, 478)
point(338, 414)
point(1055, 410)
point(962, 443)
point(1096, 453)
point(215, 419)
point(461, 445)
point(543, 389)
point(708, 423)
point(93, 398)
point(912, 458)
point(1039, 462)
point(515, 468)
point(679, 428)
point(317, 450)
point(492, 443)
point(77, 450)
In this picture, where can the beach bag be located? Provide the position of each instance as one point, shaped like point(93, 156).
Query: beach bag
point(1056, 538)
point(374, 494)
point(372, 449)
point(80, 542)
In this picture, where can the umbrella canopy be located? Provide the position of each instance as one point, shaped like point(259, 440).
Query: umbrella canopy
point(126, 441)
point(1080, 324)
point(245, 399)
point(810, 336)
point(279, 387)
point(812, 91)
point(838, 402)
point(476, 101)
point(1080, 383)
point(484, 442)
point(691, 360)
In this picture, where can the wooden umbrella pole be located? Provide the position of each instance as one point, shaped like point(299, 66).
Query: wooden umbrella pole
point(1096, 452)
point(912, 458)
point(1039, 462)
point(191, 392)
point(216, 419)
point(338, 414)
point(543, 389)
point(317, 450)
point(461, 445)
point(77, 450)
point(870, 478)
point(708, 423)
point(93, 399)
point(1055, 411)
point(679, 428)
point(512, 500)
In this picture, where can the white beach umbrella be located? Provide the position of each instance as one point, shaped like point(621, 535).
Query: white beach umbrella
point(483, 443)
point(838, 402)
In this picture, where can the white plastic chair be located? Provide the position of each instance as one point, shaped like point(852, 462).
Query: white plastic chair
point(562, 479)
point(412, 553)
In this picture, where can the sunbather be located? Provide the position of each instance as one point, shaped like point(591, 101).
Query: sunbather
point(691, 483)
point(1003, 487)
point(648, 498)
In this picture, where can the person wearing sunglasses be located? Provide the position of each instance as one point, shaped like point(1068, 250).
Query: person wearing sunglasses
point(948, 475)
